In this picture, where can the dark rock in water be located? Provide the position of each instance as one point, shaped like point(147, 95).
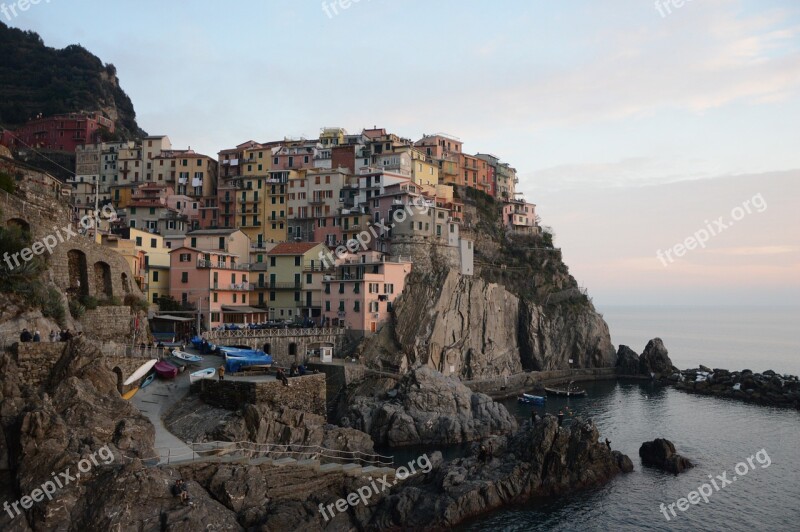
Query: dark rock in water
point(660, 453)
point(769, 373)
point(627, 360)
point(655, 359)
point(539, 461)
point(705, 368)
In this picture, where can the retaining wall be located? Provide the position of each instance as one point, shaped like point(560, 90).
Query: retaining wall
point(306, 393)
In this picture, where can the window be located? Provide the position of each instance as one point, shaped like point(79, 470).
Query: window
point(374, 288)
point(153, 243)
point(272, 296)
point(222, 242)
point(297, 261)
point(138, 241)
point(185, 257)
point(234, 298)
point(297, 296)
point(327, 306)
point(374, 306)
point(341, 306)
point(388, 289)
point(272, 260)
point(194, 242)
point(155, 277)
point(185, 277)
point(214, 296)
point(357, 306)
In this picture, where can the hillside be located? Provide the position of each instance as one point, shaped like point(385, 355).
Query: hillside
point(35, 79)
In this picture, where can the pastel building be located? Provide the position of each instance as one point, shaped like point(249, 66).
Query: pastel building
point(293, 280)
point(519, 216)
point(215, 283)
point(359, 294)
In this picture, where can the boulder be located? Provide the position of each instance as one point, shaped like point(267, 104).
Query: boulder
point(655, 359)
point(627, 361)
point(660, 453)
point(429, 408)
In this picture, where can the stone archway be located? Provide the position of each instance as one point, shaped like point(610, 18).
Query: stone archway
point(267, 348)
point(293, 351)
point(78, 272)
point(102, 280)
point(120, 379)
point(19, 223)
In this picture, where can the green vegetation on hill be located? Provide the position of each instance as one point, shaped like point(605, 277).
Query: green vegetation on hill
point(35, 79)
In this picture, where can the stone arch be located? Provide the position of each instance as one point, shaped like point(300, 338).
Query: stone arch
point(293, 349)
point(103, 287)
point(126, 283)
point(267, 348)
point(78, 272)
point(120, 379)
point(20, 223)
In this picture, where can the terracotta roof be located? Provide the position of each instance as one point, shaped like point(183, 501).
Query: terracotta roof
point(292, 248)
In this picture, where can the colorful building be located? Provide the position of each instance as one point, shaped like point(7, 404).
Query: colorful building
point(293, 280)
point(63, 132)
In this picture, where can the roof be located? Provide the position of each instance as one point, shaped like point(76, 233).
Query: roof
point(244, 310)
point(167, 317)
point(201, 232)
point(293, 248)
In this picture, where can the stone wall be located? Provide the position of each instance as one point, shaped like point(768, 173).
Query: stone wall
point(37, 360)
point(306, 393)
point(338, 376)
point(108, 323)
point(281, 343)
point(77, 265)
point(424, 254)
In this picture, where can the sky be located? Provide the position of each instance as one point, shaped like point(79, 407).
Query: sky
point(633, 124)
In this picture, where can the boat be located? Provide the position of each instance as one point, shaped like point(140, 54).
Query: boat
point(148, 381)
point(141, 372)
point(187, 357)
point(235, 364)
point(529, 399)
point(569, 391)
point(208, 373)
point(166, 370)
point(250, 353)
point(129, 395)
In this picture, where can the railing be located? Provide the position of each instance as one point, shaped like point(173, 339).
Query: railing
point(260, 333)
point(202, 263)
point(210, 451)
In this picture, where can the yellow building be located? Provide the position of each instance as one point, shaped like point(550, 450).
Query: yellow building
point(423, 171)
point(294, 282)
point(275, 206)
point(156, 263)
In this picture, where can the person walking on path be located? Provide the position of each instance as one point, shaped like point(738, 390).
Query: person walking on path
point(36, 336)
point(221, 372)
point(26, 336)
point(53, 336)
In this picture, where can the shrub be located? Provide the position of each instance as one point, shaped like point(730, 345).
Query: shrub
point(48, 299)
point(7, 183)
point(137, 304)
point(89, 302)
point(76, 309)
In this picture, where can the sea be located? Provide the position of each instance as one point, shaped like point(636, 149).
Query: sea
point(756, 449)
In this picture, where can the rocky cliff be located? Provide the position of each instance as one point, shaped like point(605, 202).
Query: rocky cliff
point(472, 328)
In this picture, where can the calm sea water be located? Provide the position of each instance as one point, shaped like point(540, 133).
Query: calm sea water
point(716, 434)
point(732, 338)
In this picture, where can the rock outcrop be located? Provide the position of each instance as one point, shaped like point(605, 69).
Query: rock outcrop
point(767, 388)
point(538, 461)
point(474, 329)
point(627, 361)
point(427, 408)
point(660, 453)
point(655, 359)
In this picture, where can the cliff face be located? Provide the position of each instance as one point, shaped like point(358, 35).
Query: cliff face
point(474, 329)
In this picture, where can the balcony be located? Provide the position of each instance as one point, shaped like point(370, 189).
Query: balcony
point(314, 267)
point(316, 201)
point(206, 264)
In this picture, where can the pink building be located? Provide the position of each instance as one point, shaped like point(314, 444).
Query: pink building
point(360, 293)
point(520, 217)
point(215, 283)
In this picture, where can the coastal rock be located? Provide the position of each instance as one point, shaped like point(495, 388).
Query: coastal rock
point(429, 408)
point(655, 359)
point(627, 360)
point(767, 388)
point(660, 453)
point(539, 461)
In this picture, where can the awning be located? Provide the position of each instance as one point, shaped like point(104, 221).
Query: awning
point(167, 317)
point(243, 310)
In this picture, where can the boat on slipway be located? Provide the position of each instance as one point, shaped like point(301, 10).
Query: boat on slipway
point(141, 372)
point(203, 374)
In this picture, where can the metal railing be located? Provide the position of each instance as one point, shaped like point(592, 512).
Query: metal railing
point(260, 333)
point(212, 451)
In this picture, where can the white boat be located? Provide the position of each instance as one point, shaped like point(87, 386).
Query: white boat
point(186, 357)
point(209, 373)
point(141, 372)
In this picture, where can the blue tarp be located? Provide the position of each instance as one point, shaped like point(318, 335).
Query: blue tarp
point(233, 365)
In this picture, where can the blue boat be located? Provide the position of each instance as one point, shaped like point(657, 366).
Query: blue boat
point(529, 399)
point(236, 364)
point(148, 381)
point(242, 353)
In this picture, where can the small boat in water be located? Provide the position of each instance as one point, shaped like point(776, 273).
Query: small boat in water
point(187, 357)
point(148, 381)
point(129, 395)
point(569, 391)
point(166, 370)
point(529, 399)
point(203, 374)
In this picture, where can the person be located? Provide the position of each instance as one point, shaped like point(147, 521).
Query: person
point(560, 417)
point(37, 337)
point(483, 453)
point(533, 417)
point(62, 335)
point(53, 336)
point(26, 336)
point(221, 372)
point(301, 370)
point(293, 370)
point(608, 444)
point(181, 490)
point(281, 376)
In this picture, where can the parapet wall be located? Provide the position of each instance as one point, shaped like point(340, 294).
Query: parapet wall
point(306, 393)
point(36, 361)
point(498, 387)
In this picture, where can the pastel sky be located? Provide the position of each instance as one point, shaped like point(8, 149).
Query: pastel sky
point(629, 129)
